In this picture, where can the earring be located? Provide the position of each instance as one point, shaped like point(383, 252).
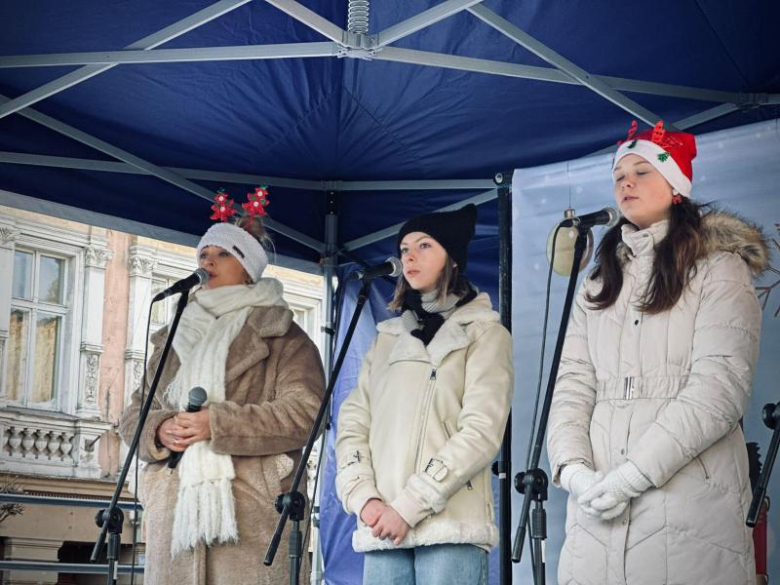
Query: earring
point(676, 198)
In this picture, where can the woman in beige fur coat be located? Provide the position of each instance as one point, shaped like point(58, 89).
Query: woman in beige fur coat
point(209, 520)
point(655, 376)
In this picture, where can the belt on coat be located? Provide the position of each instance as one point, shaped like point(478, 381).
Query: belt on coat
point(640, 387)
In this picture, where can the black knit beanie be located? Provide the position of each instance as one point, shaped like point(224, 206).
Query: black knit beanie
point(452, 229)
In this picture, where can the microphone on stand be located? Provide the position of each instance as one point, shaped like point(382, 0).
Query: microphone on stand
point(390, 267)
point(567, 235)
point(606, 217)
point(200, 276)
point(197, 397)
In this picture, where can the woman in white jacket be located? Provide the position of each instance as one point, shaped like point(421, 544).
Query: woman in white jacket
point(417, 435)
point(655, 376)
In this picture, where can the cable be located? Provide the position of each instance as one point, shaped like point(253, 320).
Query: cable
point(541, 356)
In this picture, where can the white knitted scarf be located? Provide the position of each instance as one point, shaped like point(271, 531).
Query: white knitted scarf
point(210, 323)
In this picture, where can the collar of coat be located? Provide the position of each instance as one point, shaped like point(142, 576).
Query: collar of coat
point(452, 335)
point(721, 232)
point(249, 347)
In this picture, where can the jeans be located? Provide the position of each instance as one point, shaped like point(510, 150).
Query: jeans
point(439, 564)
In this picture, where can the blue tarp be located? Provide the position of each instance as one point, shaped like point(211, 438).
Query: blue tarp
point(350, 119)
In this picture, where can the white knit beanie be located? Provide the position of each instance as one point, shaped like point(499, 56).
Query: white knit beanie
point(240, 244)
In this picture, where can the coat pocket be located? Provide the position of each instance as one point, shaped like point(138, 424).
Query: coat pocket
point(262, 476)
point(702, 466)
point(153, 481)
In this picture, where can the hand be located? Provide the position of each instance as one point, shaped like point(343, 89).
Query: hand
point(167, 438)
point(390, 525)
point(185, 429)
point(371, 511)
point(578, 478)
point(611, 495)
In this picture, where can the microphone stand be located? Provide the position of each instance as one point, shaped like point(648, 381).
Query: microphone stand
point(111, 519)
point(771, 416)
point(291, 504)
point(533, 482)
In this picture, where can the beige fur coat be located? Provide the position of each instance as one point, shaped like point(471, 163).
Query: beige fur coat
point(274, 382)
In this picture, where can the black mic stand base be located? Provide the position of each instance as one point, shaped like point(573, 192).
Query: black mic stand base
point(295, 503)
point(287, 502)
point(533, 484)
point(771, 416)
point(110, 519)
point(114, 518)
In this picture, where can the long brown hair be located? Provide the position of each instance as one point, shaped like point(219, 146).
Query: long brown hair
point(674, 264)
point(450, 281)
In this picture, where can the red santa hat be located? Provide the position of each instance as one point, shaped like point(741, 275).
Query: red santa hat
point(671, 153)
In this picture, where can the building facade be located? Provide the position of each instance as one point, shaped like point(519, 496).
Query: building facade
point(74, 306)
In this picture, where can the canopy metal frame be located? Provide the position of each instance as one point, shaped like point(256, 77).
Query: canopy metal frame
point(340, 43)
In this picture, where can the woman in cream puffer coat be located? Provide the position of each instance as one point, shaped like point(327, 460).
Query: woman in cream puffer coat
point(644, 430)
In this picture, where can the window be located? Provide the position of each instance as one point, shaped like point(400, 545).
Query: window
point(161, 310)
point(39, 310)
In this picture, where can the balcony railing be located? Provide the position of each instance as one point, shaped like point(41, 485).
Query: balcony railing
point(55, 567)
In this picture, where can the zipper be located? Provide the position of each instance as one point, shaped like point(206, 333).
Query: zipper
point(449, 433)
point(424, 421)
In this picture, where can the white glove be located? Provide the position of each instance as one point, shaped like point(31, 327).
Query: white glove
point(578, 478)
point(610, 496)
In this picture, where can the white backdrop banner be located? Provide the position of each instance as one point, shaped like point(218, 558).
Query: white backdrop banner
point(738, 170)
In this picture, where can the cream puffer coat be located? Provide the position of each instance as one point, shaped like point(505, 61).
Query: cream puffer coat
point(666, 392)
point(422, 426)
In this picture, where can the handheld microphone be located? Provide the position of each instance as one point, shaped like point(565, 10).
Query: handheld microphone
point(200, 276)
point(197, 397)
point(607, 217)
point(390, 267)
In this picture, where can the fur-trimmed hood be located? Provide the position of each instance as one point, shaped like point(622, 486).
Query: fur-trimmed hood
point(727, 232)
point(721, 232)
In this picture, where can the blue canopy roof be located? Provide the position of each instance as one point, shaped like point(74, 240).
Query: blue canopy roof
point(328, 121)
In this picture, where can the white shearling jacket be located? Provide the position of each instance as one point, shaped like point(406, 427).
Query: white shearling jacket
point(423, 425)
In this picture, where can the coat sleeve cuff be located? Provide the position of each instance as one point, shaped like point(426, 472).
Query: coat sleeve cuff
point(422, 497)
point(412, 511)
point(360, 496)
point(148, 443)
point(634, 476)
point(558, 468)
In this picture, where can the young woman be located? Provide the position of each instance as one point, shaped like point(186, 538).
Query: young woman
point(416, 437)
point(656, 374)
point(209, 520)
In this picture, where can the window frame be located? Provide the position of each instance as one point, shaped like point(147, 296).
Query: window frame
point(45, 240)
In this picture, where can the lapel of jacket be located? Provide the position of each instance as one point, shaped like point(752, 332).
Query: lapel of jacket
point(450, 337)
point(250, 347)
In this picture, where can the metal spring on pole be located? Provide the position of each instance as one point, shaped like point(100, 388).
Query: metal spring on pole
point(357, 16)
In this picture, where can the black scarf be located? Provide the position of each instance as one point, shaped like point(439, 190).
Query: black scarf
point(430, 322)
